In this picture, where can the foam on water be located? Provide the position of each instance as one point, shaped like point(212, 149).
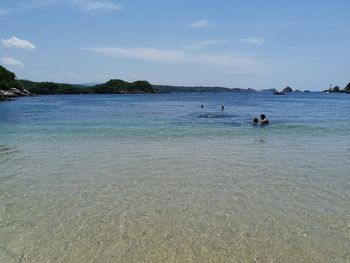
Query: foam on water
point(146, 178)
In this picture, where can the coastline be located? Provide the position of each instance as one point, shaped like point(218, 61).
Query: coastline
point(13, 93)
point(11, 87)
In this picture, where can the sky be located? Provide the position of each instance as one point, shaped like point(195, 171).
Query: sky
point(232, 43)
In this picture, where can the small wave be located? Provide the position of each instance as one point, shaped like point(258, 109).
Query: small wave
point(216, 116)
point(5, 150)
point(4, 147)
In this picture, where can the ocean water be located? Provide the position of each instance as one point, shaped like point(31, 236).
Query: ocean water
point(155, 178)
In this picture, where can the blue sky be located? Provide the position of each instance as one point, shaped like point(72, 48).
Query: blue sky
point(233, 43)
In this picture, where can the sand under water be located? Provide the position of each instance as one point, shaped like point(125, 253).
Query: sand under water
point(155, 178)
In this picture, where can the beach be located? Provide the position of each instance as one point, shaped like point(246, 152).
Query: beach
point(156, 178)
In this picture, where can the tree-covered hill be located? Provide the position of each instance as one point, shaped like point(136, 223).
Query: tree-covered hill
point(9, 87)
point(114, 86)
point(52, 88)
point(8, 80)
point(117, 86)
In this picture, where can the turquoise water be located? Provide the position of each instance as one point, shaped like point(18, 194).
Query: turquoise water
point(155, 178)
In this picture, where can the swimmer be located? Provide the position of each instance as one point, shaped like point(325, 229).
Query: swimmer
point(255, 121)
point(222, 107)
point(263, 119)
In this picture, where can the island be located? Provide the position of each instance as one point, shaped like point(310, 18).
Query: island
point(287, 90)
point(337, 89)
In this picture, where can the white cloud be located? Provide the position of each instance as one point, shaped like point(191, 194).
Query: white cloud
point(178, 56)
point(252, 40)
point(96, 5)
point(18, 43)
point(143, 53)
point(204, 44)
point(9, 61)
point(83, 5)
point(200, 23)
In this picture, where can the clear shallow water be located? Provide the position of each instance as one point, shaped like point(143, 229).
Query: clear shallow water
point(154, 178)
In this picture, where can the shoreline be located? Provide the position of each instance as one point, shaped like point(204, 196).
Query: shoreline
point(8, 95)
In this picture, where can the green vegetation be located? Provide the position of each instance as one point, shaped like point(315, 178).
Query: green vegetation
point(117, 86)
point(51, 88)
point(114, 86)
point(8, 80)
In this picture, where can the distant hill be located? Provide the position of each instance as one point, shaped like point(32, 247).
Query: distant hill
point(114, 86)
point(197, 89)
point(11, 87)
point(117, 86)
point(52, 88)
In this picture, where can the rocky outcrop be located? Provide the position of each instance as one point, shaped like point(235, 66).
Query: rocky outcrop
point(287, 90)
point(337, 89)
point(9, 85)
point(13, 93)
point(347, 88)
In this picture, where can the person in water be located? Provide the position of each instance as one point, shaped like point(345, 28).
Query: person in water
point(255, 121)
point(263, 119)
point(222, 107)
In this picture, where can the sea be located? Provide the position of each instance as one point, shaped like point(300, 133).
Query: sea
point(158, 178)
